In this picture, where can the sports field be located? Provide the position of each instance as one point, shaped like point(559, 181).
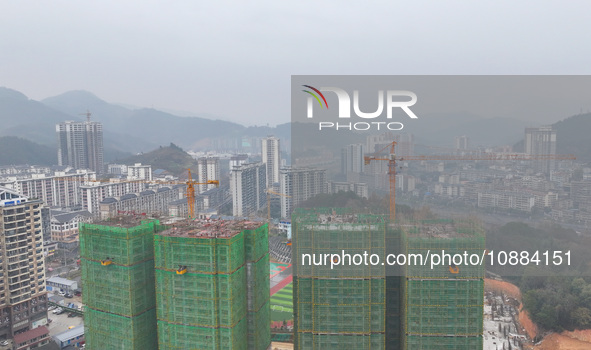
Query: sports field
point(281, 295)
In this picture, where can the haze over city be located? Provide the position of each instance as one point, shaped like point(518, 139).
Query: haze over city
point(234, 60)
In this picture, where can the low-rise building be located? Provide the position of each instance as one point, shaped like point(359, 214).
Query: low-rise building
point(32, 339)
point(74, 336)
point(57, 284)
point(148, 202)
point(64, 226)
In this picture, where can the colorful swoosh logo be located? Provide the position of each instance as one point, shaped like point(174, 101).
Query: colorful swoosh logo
point(316, 96)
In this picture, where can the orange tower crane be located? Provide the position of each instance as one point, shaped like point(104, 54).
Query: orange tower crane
point(190, 183)
point(392, 159)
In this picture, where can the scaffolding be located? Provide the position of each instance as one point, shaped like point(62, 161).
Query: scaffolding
point(221, 300)
point(344, 307)
point(443, 307)
point(119, 295)
point(105, 330)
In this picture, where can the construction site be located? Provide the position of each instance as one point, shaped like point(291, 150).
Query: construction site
point(338, 308)
point(212, 285)
point(443, 307)
point(117, 261)
point(193, 284)
point(385, 307)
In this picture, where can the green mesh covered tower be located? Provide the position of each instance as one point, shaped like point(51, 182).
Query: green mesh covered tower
point(443, 306)
point(117, 259)
point(345, 307)
point(212, 286)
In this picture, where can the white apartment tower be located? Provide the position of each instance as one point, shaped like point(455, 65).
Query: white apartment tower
point(80, 145)
point(462, 142)
point(248, 185)
point(23, 299)
point(541, 140)
point(271, 158)
point(138, 171)
point(298, 185)
point(352, 158)
point(208, 169)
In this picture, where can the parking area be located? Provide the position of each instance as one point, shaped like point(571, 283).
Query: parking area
point(61, 323)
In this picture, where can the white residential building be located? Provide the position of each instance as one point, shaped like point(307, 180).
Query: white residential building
point(94, 193)
point(61, 189)
point(23, 299)
point(138, 171)
point(271, 155)
point(80, 145)
point(248, 185)
point(208, 169)
point(298, 185)
point(538, 141)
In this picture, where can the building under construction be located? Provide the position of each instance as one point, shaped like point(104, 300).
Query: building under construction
point(117, 259)
point(370, 306)
point(212, 285)
point(443, 307)
point(344, 307)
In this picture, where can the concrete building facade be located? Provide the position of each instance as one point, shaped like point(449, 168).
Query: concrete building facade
point(541, 140)
point(271, 155)
point(298, 185)
point(23, 299)
point(248, 184)
point(80, 145)
point(208, 169)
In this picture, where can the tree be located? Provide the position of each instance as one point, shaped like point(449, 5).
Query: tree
point(581, 317)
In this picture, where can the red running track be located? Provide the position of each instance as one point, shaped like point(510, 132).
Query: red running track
point(280, 285)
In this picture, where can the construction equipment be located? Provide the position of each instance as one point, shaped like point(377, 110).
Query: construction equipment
point(181, 270)
point(392, 159)
point(87, 115)
point(108, 261)
point(269, 193)
point(190, 183)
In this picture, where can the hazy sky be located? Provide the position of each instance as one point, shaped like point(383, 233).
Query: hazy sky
point(235, 59)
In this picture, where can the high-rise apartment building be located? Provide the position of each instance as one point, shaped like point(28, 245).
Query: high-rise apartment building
point(344, 307)
point(298, 185)
point(197, 285)
point(271, 155)
point(216, 296)
point(23, 299)
point(139, 171)
point(538, 141)
point(208, 169)
point(80, 145)
point(94, 193)
point(368, 305)
point(117, 262)
point(352, 158)
point(248, 185)
point(462, 142)
point(60, 189)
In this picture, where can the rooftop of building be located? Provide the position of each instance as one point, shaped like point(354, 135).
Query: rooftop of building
point(125, 221)
point(60, 280)
point(443, 228)
point(70, 333)
point(31, 334)
point(62, 217)
point(335, 216)
point(210, 228)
